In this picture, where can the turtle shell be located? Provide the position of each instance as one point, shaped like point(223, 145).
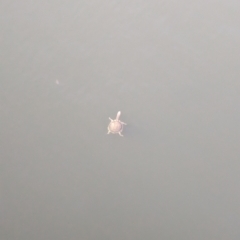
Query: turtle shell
point(115, 126)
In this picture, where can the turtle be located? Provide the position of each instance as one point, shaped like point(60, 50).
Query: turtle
point(116, 126)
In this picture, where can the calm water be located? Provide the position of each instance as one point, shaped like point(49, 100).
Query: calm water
point(172, 68)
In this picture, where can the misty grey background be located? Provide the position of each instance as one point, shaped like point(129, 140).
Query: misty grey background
point(172, 68)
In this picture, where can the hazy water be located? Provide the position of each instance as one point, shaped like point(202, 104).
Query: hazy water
point(172, 68)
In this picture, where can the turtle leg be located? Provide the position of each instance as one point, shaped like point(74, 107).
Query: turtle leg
point(110, 119)
point(120, 134)
point(108, 132)
point(123, 123)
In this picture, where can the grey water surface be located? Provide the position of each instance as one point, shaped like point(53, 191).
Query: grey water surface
point(172, 68)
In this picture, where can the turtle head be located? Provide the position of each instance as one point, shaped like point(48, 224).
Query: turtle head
point(118, 115)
